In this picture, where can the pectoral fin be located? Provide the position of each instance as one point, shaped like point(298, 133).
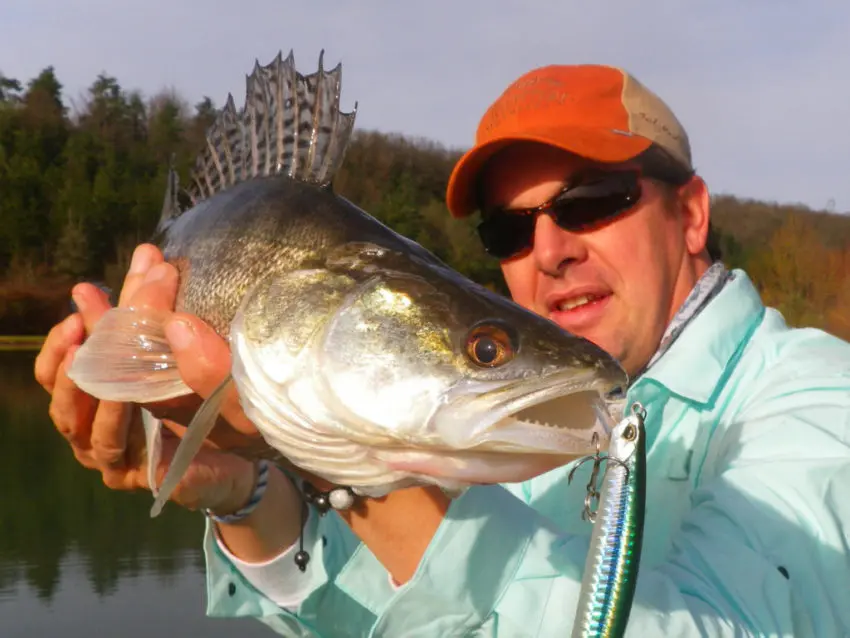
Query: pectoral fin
point(153, 442)
point(127, 358)
point(197, 431)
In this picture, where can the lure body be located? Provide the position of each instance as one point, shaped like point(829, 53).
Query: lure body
point(610, 572)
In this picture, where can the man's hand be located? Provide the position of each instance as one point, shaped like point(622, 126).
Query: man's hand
point(107, 436)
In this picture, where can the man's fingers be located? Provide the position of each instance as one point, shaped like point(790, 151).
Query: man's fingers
point(92, 303)
point(145, 257)
point(210, 479)
point(109, 432)
point(84, 458)
point(62, 336)
point(158, 289)
point(71, 409)
point(203, 359)
point(123, 479)
point(151, 283)
point(87, 424)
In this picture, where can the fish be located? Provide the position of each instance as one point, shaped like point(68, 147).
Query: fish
point(360, 356)
point(613, 558)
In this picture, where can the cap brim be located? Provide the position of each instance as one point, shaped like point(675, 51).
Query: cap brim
point(600, 145)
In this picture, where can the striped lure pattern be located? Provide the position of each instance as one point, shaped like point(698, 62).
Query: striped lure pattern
point(611, 568)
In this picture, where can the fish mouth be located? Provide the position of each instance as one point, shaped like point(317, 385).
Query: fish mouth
point(555, 415)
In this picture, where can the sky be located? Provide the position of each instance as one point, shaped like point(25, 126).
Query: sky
point(760, 85)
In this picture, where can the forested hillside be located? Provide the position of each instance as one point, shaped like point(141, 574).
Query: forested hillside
point(80, 188)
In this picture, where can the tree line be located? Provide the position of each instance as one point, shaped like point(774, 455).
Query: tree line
point(79, 190)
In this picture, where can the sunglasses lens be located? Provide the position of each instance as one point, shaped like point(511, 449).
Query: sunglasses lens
point(590, 204)
point(506, 233)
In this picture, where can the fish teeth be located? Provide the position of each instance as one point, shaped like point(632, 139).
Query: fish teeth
point(543, 424)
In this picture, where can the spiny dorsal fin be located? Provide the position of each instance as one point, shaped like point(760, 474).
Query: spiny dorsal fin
point(291, 125)
point(170, 203)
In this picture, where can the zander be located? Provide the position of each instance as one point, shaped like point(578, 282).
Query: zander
point(358, 355)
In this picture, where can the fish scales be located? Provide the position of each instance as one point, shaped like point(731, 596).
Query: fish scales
point(225, 245)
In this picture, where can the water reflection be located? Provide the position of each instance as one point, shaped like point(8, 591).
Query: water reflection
point(77, 558)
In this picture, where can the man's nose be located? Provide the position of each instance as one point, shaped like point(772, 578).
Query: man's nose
point(554, 247)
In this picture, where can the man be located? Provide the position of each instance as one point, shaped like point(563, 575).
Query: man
point(590, 201)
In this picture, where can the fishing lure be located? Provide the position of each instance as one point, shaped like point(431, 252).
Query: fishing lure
point(611, 568)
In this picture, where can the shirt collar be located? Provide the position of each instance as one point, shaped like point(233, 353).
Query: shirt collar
point(695, 364)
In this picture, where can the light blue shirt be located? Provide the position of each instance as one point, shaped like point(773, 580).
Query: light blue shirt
point(747, 520)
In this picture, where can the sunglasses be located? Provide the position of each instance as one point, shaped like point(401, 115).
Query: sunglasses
point(578, 207)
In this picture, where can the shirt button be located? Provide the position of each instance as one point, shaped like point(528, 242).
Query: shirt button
point(231, 589)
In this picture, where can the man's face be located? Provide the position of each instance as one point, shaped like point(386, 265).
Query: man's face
point(617, 285)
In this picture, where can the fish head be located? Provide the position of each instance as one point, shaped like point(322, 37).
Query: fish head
point(415, 370)
point(517, 391)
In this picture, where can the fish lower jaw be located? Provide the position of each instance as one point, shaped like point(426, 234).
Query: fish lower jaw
point(524, 437)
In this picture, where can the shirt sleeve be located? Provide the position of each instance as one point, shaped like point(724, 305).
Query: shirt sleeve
point(278, 579)
point(762, 549)
point(277, 586)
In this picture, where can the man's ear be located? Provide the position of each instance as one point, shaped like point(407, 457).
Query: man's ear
point(694, 204)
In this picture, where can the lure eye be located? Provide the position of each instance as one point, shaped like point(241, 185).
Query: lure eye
point(629, 432)
point(489, 346)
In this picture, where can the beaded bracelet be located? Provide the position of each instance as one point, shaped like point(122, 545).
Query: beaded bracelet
point(339, 498)
point(256, 496)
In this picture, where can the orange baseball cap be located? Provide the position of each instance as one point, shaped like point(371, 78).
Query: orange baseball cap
point(599, 112)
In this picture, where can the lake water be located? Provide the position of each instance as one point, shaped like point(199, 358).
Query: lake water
point(78, 559)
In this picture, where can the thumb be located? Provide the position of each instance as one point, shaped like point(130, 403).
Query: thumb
point(202, 356)
point(203, 359)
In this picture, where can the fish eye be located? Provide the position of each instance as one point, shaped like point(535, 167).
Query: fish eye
point(629, 432)
point(489, 346)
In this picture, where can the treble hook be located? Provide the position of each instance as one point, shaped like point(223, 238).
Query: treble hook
point(592, 489)
point(589, 513)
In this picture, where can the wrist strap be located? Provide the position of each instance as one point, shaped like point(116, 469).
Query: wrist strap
point(256, 496)
point(339, 498)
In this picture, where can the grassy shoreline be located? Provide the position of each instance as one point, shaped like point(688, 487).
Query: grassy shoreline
point(20, 342)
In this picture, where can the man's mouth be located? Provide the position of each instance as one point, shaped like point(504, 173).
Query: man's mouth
point(577, 302)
